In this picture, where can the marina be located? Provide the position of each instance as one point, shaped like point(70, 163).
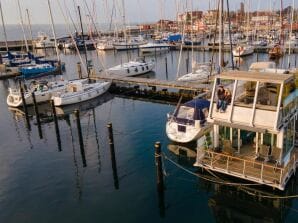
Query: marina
point(190, 119)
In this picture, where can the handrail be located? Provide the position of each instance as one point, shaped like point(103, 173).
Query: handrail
point(244, 160)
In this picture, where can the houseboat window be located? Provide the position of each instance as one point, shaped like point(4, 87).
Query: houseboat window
point(289, 98)
point(245, 93)
point(288, 142)
point(268, 95)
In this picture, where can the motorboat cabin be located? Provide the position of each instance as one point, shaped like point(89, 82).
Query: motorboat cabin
point(253, 137)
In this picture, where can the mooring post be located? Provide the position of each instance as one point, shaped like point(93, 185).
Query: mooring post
point(113, 157)
point(158, 165)
point(166, 63)
point(25, 107)
point(187, 64)
point(37, 115)
point(159, 177)
point(79, 69)
point(56, 125)
point(77, 115)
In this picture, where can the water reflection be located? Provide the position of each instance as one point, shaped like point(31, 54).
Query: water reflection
point(238, 203)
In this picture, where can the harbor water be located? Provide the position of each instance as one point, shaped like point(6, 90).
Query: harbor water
point(41, 181)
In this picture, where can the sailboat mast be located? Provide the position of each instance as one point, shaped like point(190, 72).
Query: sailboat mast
point(281, 22)
point(29, 24)
point(3, 26)
point(53, 29)
point(22, 24)
point(124, 19)
point(79, 10)
point(220, 57)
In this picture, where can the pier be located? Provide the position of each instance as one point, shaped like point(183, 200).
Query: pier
point(15, 45)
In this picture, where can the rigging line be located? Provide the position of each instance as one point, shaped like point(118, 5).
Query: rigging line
point(181, 48)
point(72, 37)
point(205, 178)
point(69, 14)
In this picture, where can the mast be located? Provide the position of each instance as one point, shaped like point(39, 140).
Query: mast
point(281, 22)
point(220, 57)
point(3, 26)
point(22, 24)
point(79, 10)
point(29, 24)
point(124, 19)
point(230, 35)
point(53, 30)
point(291, 31)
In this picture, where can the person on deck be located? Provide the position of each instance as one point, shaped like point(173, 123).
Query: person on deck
point(220, 97)
point(227, 100)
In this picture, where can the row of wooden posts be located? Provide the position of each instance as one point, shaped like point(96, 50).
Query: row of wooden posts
point(158, 155)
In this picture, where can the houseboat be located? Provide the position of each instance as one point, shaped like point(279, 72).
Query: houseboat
point(254, 138)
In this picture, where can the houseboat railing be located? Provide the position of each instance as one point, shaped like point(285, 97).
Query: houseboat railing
point(258, 170)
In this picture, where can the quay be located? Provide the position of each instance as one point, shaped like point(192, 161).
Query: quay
point(226, 48)
point(15, 45)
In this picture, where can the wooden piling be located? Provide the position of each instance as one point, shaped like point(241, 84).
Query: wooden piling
point(25, 107)
point(158, 165)
point(77, 115)
point(166, 63)
point(56, 125)
point(37, 115)
point(79, 69)
point(113, 157)
point(159, 177)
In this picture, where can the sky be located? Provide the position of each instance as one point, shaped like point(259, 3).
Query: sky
point(136, 11)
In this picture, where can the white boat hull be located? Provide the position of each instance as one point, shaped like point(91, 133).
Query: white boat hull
point(96, 90)
point(192, 132)
point(244, 52)
point(132, 70)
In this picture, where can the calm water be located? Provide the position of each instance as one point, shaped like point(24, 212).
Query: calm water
point(39, 183)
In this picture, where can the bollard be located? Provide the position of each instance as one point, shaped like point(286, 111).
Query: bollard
point(79, 69)
point(37, 115)
point(56, 125)
point(158, 165)
point(159, 177)
point(113, 157)
point(77, 115)
point(166, 62)
point(187, 64)
point(25, 107)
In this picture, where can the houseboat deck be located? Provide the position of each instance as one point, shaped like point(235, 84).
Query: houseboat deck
point(245, 165)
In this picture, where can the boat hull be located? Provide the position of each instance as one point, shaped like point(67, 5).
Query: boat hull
point(68, 99)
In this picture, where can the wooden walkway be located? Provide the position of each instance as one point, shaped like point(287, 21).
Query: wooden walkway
point(15, 45)
point(193, 86)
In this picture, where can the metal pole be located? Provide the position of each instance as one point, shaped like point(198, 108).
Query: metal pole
point(3, 26)
point(22, 24)
point(53, 30)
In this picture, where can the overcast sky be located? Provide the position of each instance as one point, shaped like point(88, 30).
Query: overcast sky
point(136, 10)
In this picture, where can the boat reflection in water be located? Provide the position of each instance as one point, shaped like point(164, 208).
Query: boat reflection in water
point(239, 203)
point(45, 109)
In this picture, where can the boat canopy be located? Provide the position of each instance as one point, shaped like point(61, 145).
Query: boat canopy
point(198, 103)
point(196, 110)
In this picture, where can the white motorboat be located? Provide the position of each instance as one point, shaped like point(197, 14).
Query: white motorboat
point(241, 51)
point(201, 73)
point(44, 41)
point(105, 44)
point(133, 68)
point(188, 122)
point(43, 92)
point(129, 44)
point(154, 47)
point(80, 90)
point(267, 67)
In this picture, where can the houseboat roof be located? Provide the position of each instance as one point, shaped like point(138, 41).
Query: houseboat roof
point(257, 76)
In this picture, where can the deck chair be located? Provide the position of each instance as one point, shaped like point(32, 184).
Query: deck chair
point(227, 147)
point(263, 153)
point(275, 156)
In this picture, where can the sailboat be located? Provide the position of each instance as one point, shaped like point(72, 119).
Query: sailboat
point(133, 68)
point(201, 72)
point(243, 50)
point(188, 122)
